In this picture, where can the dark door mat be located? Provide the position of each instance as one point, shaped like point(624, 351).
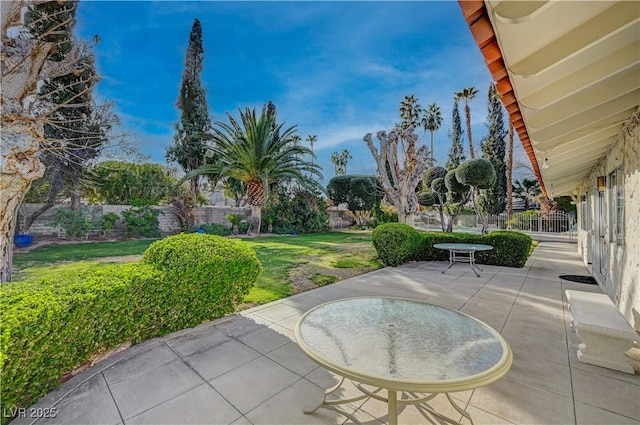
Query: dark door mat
point(589, 280)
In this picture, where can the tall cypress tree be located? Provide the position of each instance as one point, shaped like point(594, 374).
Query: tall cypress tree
point(188, 150)
point(494, 199)
point(456, 153)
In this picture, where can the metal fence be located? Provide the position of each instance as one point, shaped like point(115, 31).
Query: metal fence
point(540, 226)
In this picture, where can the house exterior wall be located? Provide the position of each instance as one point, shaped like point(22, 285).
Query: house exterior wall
point(619, 276)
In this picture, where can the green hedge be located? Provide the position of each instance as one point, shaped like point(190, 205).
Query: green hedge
point(399, 243)
point(52, 326)
point(396, 243)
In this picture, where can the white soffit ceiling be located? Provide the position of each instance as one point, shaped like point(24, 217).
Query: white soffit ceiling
point(575, 70)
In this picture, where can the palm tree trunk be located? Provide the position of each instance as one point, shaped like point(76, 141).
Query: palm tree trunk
point(255, 194)
point(510, 171)
point(431, 151)
point(467, 112)
point(195, 187)
point(256, 219)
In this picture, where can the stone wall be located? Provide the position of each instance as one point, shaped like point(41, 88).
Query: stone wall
point(168, 221)
point(619, 274)
point(339, 218)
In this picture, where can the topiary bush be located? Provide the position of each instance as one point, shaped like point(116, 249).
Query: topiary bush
point(52, 326)
point(224, 268)
point(510, 249)
point(399, 243)
point(477, 172)
point(396, 243)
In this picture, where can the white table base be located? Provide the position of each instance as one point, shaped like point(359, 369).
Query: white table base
point(470, 257)
point(392, 401)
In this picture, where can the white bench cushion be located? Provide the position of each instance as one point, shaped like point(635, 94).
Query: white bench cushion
point(598, 314)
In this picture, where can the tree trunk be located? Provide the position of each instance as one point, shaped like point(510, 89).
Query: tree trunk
point(408, 218)
point(76, 193)
point(467, 112)
point(256, 219)
point(441, 211)
point(510, 171)
point(24, 66)
point(195, 187)
point(34, 216)
point(453, 217)
point(20, 166)
point(431, 162)
point(476, 207)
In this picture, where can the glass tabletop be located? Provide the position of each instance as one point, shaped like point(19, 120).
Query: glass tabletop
point(464, 246)
point(394, 339)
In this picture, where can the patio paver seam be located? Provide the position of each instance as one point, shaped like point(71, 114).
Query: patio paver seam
point(206, 382)
point(565, 313)
point(513, 303)
point(115, 403)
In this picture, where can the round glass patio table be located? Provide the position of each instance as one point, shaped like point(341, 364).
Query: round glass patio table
point(401, 345)
point(463, 253)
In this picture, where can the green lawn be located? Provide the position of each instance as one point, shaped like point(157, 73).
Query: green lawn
point(290, 263)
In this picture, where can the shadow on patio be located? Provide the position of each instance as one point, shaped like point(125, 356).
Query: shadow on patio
point(247, 368)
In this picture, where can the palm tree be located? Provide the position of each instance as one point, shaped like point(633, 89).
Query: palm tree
point(526, 190)
point(340, 161)
point(468, 94)
point(431, 122)
point(312, 139)
point(409, 113)
point(257, 151)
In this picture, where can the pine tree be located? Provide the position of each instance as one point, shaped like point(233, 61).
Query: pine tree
point(494, 199)
point(189, 150)
point(456, 153)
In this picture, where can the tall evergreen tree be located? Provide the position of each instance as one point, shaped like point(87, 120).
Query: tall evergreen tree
point(456, 153)
point(494, 199)
point(189, 150)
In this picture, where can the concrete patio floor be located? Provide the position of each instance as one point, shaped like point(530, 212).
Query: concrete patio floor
point(247, 368)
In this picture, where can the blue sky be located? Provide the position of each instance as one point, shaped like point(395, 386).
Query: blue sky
point(335, 69)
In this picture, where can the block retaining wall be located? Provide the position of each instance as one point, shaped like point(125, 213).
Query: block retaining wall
point(168, 221)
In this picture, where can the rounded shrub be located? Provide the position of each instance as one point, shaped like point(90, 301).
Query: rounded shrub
point(205, 267)
point(438, 186)
point(452, 183)
point(396, 243)
point(434, 173)
point(428, 199)
point(476, 172)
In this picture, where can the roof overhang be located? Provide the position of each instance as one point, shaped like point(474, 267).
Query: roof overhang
point(569, 76)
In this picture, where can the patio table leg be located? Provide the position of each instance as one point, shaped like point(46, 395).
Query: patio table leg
point(452, 259)
point(392, 397)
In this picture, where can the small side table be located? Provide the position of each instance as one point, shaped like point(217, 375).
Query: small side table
point(463, 253)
